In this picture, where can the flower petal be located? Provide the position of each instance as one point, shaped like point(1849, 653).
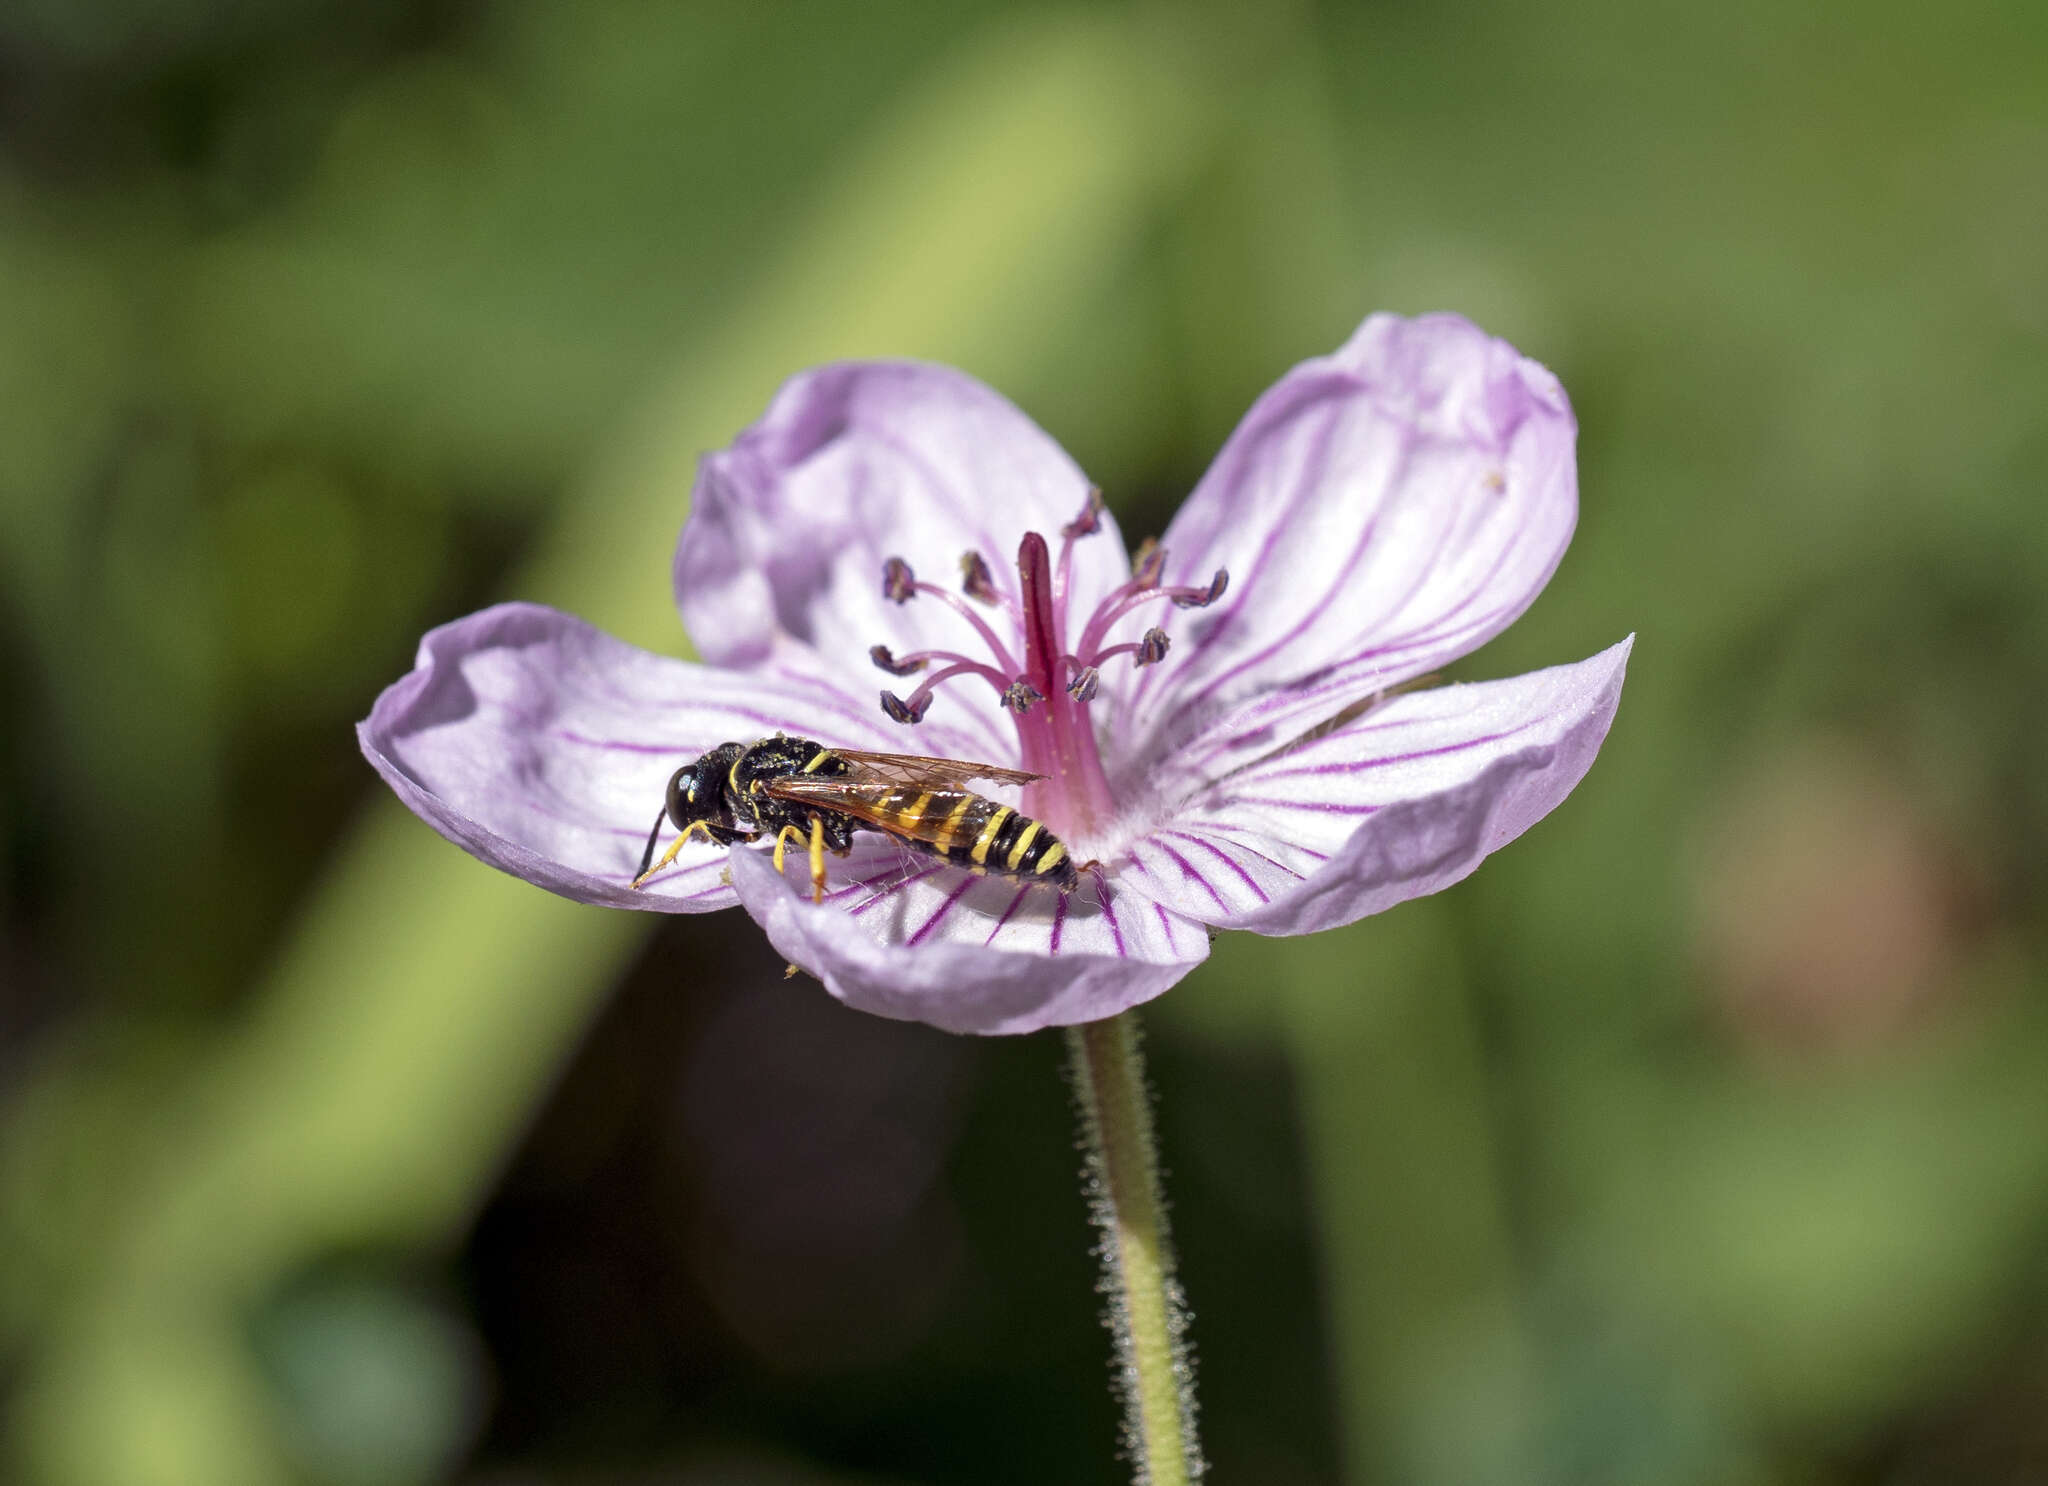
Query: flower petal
point(906, 937)
point(543, 746)
point(855, 463)
point(1405, 800)
point(1380, 511)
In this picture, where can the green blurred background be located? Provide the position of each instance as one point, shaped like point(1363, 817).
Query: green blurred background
point(1701, 1137)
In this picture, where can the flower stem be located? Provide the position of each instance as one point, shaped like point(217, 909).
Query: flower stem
point(1147, 1313)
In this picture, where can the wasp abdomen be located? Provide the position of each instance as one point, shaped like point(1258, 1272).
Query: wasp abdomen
point(988, 837)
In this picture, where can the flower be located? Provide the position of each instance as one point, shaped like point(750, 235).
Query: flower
point(1219, 724)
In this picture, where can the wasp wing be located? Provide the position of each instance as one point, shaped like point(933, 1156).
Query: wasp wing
point(935, 816)
point(927, 773)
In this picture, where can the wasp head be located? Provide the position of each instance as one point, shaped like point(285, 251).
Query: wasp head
point(696, 791)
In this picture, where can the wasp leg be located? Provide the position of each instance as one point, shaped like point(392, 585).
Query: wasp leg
point(717, 836)
point(1096, 870)
point(817, 860)
point(782, 836)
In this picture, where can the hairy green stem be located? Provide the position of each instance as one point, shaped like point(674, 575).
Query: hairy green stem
point(1147, 1313)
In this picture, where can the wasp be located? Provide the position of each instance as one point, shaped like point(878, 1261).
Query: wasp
point(798, 788)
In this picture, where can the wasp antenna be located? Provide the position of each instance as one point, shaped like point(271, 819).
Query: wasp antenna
point(647, 856)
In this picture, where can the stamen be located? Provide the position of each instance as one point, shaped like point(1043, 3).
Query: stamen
point(898, 582)
point(1149, 651)
point(1086, 524)
point(1149, 562)
point(1197, 598)
point(1021, 696)
point(958, 605)
point(975, 579)
point(1089, 521)
point(909, 666)
point(1085, 684)
point(920, 701)
point(917, 660)
point(907, 712)
point(1134, 593)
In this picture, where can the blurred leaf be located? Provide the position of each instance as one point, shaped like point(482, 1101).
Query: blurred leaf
point(1434, 1381)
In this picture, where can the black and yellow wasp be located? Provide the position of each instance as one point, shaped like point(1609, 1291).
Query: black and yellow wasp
point(797, 787)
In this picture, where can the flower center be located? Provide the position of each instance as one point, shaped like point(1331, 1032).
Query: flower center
point(1047, 690)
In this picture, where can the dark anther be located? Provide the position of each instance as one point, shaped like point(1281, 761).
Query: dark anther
point(1022, 696)
point(1202, 600)
point(1084, 686)
point(1152, 649)
point(882, 657)
point(1148, 564)
point(898, 582)
point(901, 711)
point(975, 579)
point(1090, 520)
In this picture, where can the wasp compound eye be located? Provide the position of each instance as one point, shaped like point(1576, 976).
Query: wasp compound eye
point(682, 795)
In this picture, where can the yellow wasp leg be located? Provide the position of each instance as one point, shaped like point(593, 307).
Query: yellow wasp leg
point(781, 836)
point(817, 860)
point(675, 846)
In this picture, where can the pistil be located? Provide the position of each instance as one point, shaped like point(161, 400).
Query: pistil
point(1074, 796)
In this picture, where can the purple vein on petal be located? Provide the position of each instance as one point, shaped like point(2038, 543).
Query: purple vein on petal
point(1224, 857)
point(1166, 927)
point(1015, 904)
point(770, 720)
point(1318, 611)
point(1323, 807)
point(1187, 869)
point(1116, 931)
point(1059, 924)
point(616, 745)
point(1221, 829)
point(1246, 581)
point(565, 813)
point(1250, 729)
point(1483, 584)
point(939, 913)
point(1357, 766)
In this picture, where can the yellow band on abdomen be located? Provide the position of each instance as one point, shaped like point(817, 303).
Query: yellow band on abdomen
point(988, 832)
point(1024, 840)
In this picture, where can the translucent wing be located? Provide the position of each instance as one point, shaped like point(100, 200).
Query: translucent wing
point(938, 816)
point(927, 773)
